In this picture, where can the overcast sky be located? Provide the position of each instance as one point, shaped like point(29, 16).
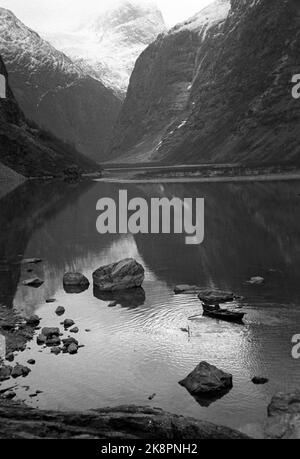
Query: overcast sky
point(60, 15)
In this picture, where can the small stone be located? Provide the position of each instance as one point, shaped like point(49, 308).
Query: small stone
point(10, 357)
point(113, 304)
point(41, 339)
point(74, 330)
point(67, 323)
point(56, 350)
point(60, 311)
point(20, 370)
point(88, 330)
point(68, 341)
point(50, 332)
point(75, 279)
point(6, 326)
point(52, 342)
point(50, 300)
point(5, 372)
point(215, 297)
point(9, 395)
point(33, 321)
point(152, 397)
point(31, 362)
point(36, 282)
point(258, 380)
point(73, 349)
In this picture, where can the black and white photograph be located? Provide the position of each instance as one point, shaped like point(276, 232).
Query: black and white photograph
point(149, 223)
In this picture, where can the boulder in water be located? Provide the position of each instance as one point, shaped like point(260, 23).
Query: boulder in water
point(207, 380)
point(75, 280)
point(125, 274)
point(33, 321)
point(215, 296)
point(20, 370)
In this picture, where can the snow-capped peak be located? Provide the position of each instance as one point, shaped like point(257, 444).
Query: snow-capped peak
point(108, 46)
point(19, 42)
point(206, 18)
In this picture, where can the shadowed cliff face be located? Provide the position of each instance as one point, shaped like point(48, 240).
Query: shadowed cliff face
point(9, 109)
point(218, 92)
point(28, 151)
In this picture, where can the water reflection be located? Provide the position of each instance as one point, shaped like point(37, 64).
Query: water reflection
point(132, 298)
point(75, 289)
point(251, 229)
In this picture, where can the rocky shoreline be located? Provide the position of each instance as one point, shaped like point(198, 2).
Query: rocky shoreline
point(125, 422)
point(17, 420)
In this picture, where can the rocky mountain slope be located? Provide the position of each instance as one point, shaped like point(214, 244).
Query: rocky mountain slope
point(217, 89)
point(27, 151)
point(108, 47)
point(54, 92)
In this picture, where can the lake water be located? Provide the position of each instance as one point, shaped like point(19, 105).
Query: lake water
point(137, 348)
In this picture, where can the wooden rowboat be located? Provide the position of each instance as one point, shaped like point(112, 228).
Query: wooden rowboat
point(223, 314)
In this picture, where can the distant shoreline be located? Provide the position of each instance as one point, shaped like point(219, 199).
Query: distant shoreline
point(197, 179)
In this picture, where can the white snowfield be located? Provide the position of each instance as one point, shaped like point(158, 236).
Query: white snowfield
point(107, 47)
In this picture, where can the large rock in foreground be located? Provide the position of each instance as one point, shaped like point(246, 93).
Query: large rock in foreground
point(285, 403)
point(207, 381)
point(284, 416)
point(283, 422)
point(125, 274)
point(125, 422)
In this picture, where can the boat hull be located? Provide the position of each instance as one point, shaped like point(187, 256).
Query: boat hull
point(225, 315)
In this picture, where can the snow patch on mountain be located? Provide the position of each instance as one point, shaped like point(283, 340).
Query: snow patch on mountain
point(208, 17)
point(18, 42)
point(107, 47)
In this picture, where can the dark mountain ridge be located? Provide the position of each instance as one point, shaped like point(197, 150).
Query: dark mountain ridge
point(29, 151)
point(217, 89)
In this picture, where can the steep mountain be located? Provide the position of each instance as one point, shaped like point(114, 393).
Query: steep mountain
point(217, 89)
point(27, 151)
point(108, 47)
point(54, 92)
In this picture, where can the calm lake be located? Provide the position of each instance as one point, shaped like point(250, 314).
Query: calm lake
point(137, 348)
